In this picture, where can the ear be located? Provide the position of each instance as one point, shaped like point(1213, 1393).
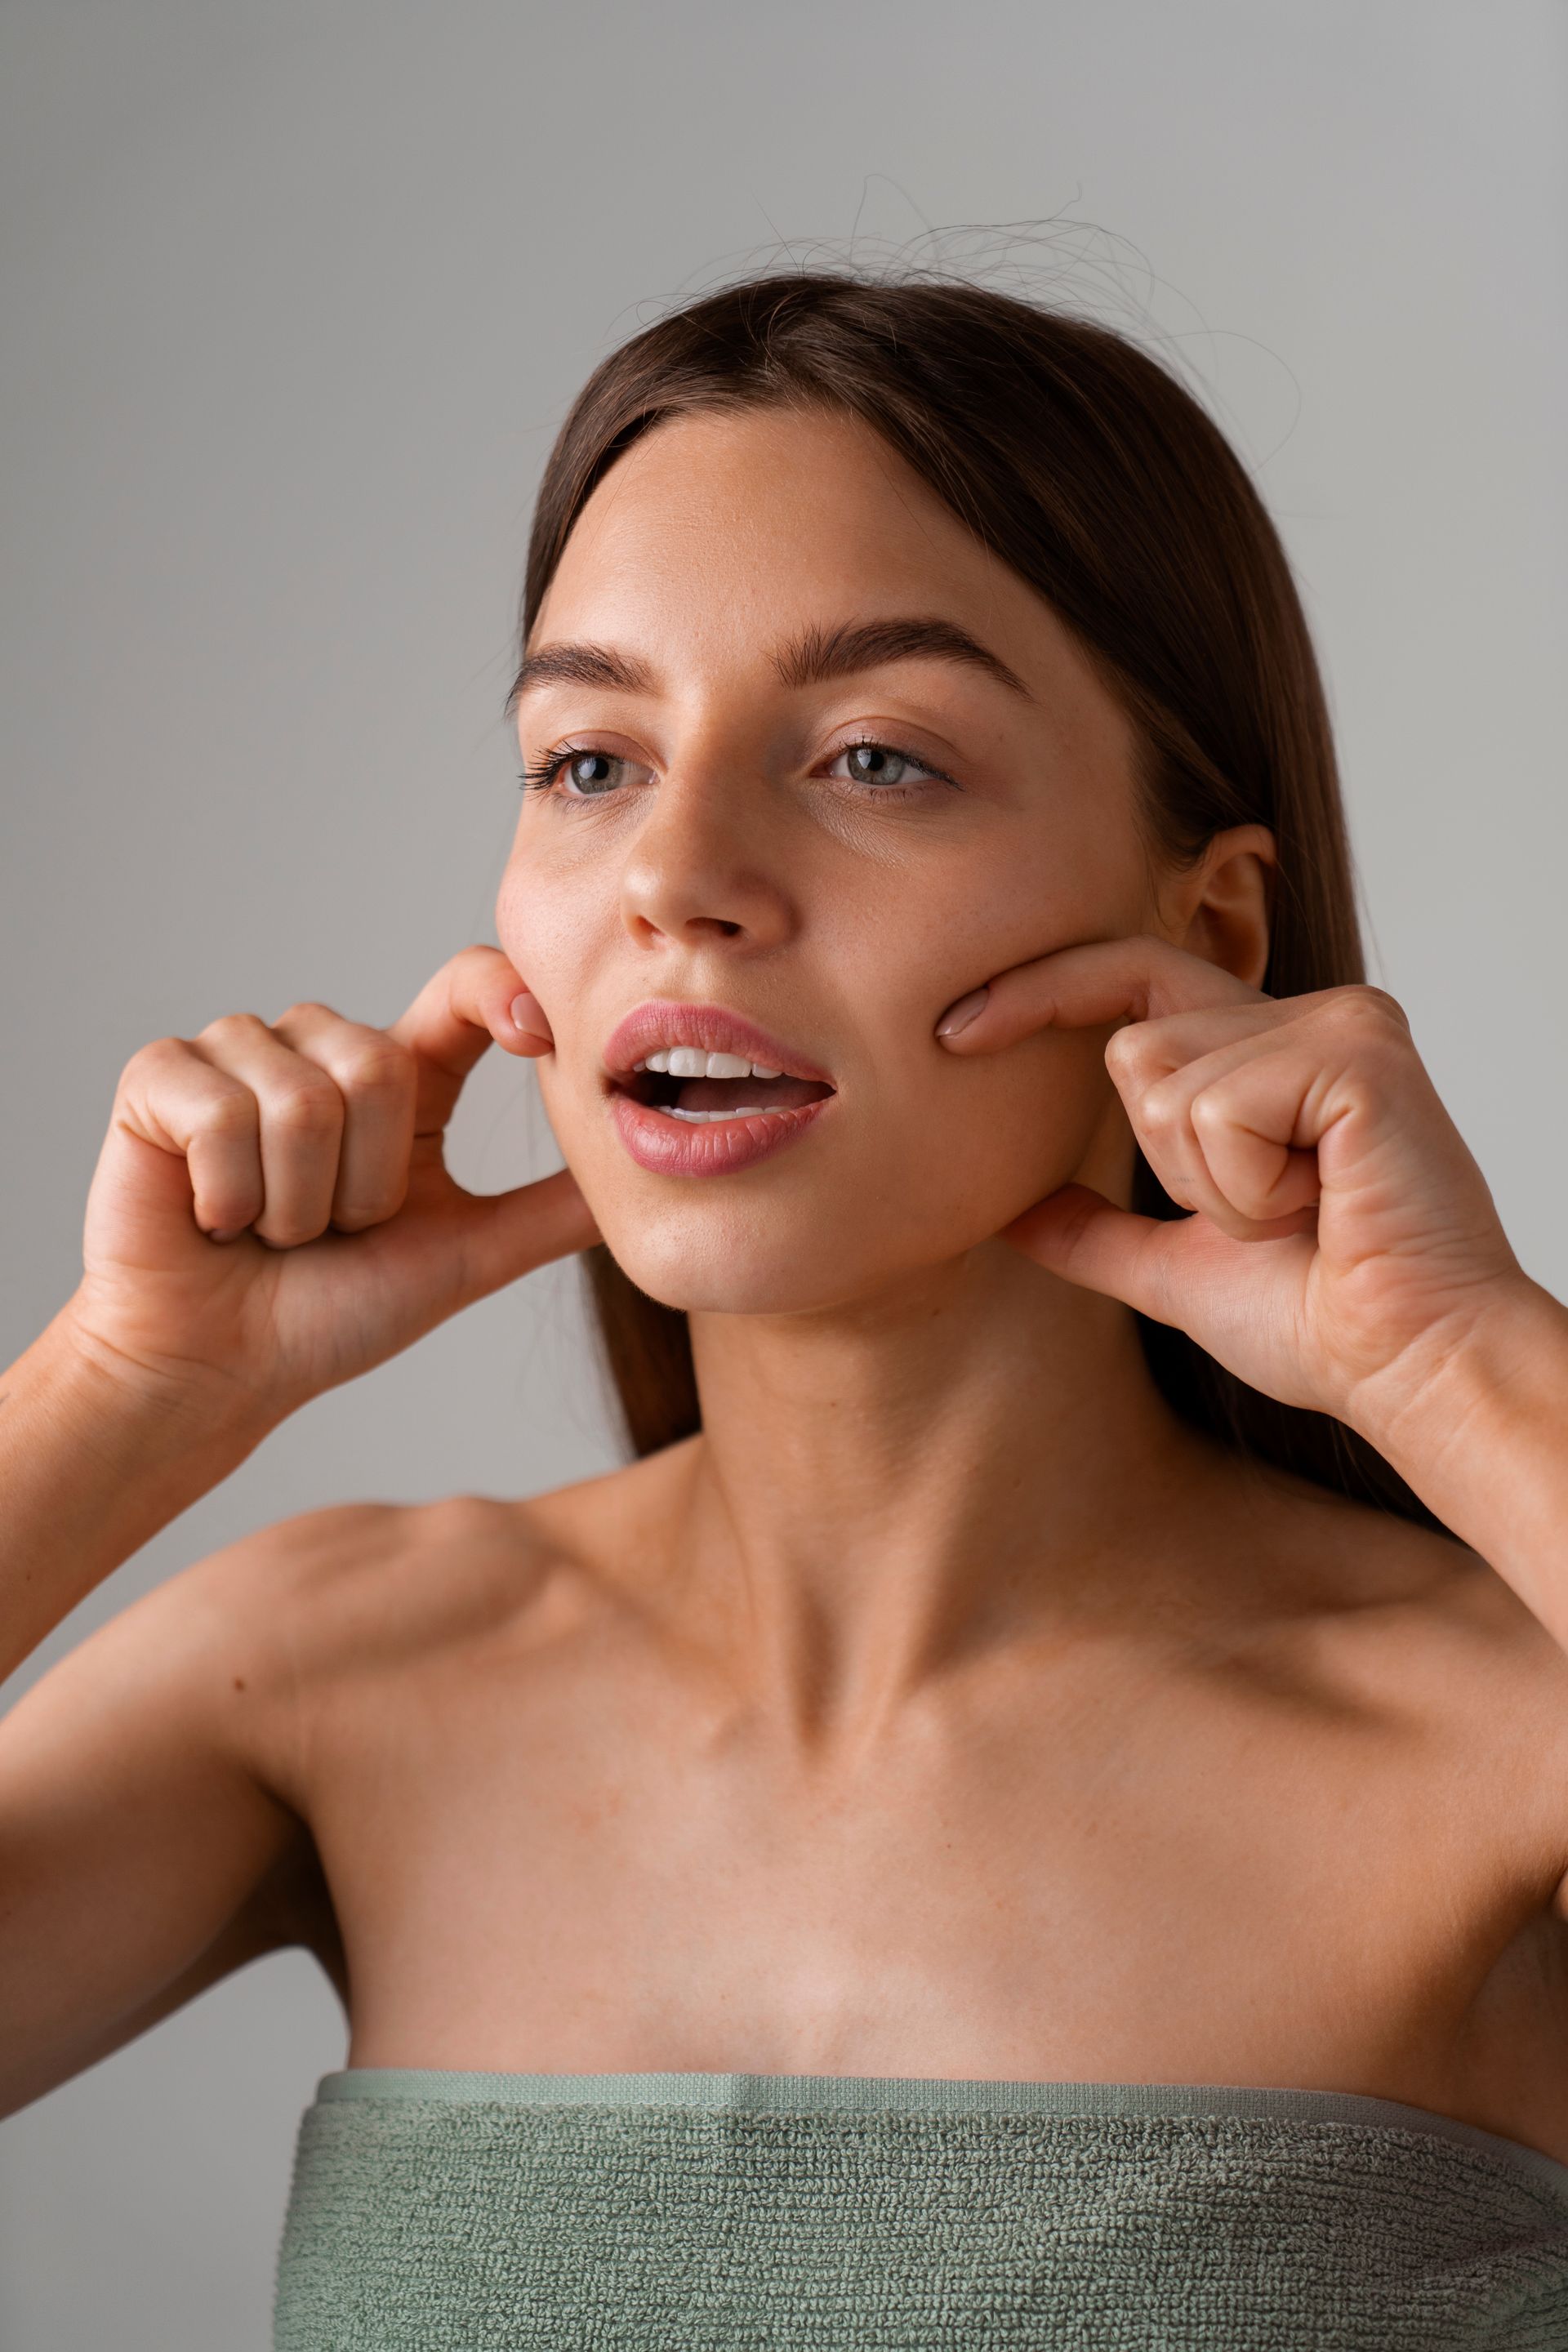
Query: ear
point(1222, 909)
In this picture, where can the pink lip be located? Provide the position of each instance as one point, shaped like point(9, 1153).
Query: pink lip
point(721, 1147)
point(669, 1149)
point(664, 1020)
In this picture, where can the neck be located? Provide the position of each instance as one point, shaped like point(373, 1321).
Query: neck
point(881, 1489)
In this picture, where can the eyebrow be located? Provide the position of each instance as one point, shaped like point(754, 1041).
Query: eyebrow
point(813, 658)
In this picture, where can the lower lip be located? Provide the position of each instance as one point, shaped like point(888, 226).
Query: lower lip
point(719, 1147)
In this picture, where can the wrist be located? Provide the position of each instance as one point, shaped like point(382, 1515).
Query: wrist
point(91, 1377)
point(1499, 1373)
point(95, 1459)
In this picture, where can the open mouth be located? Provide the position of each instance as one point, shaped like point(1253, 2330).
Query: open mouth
point(686, 1083)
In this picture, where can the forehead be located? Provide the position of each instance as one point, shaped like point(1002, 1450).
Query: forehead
point(717, 527)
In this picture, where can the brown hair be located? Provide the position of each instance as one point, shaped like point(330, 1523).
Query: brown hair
point(1083, 463)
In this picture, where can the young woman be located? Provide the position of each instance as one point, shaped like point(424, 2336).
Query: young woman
point(1035, 1811)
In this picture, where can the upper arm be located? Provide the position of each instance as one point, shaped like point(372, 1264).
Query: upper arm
point(147, 1844)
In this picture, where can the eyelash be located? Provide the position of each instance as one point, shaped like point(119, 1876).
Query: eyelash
point(541, 778)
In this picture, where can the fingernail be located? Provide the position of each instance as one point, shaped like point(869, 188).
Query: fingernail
point(960, 1015)
point(528, 1013)
point(225, 1234)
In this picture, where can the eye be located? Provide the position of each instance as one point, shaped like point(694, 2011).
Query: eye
point(887, 772)
point(883, 771)
point(589, 776)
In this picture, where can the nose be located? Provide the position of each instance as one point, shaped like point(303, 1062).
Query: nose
point(706, 866)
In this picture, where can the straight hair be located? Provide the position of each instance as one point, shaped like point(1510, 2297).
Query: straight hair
point(1079, 460)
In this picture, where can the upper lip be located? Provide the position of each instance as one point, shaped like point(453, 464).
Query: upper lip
point(666, 1022)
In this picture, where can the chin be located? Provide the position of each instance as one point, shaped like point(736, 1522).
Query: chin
point(793, 1239)
point(727, 1267)
point(779, 1261)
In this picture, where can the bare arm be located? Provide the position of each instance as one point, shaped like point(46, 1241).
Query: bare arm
point(1481, 1431)
point(148, 1842)
point(148, 1845)
point(93, 1463)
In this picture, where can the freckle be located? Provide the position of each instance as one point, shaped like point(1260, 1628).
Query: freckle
point(239, 1683)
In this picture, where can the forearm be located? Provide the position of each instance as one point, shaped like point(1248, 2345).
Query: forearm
point(92, 1465)
point(1480, 1432)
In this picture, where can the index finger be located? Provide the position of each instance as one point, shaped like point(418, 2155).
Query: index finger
point(1139, 976)
point(462, 1009)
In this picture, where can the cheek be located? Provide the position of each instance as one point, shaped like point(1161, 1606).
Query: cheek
point(980, 1139)
point(550, 928)
point(543, 932)
point(954, 1147)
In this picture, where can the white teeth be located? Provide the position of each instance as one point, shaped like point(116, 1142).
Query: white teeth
point(705, 1117)
point(691, 1062)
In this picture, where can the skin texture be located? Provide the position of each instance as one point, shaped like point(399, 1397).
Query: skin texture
point(947, 1707)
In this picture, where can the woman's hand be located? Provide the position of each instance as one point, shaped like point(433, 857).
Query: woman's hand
point(1342, 1241)
point(272, 1214)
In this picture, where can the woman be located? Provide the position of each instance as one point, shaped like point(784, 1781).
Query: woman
point(1035, 1811)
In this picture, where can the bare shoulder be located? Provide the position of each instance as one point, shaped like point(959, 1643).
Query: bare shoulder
point(1391, 1621)
point(262, 1593)
point(1347, 1570)
point(367, 1584)
point(1493, 1683)
point(1475, 1651)
point(222, 1621)
point(279, 1622)
point(216, 1654)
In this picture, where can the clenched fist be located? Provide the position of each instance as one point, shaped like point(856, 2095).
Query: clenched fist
point(272, 1214)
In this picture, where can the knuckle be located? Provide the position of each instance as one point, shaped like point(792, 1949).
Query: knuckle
point(355, 1221)
point(1368, 1010)
point(480, 961)
point(1161, 1108)
point(1369, 1000)
point(371, 1206)
point(284, 1232)
point(307, 1108)
point(1124, 1051)
point(306, 1009)
point(1142, 1048)
point(228, 1110)
point(231, 1025)
point(379, 1066)
point(158, 1054)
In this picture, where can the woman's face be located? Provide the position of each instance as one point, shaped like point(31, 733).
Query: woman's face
point(713, 844)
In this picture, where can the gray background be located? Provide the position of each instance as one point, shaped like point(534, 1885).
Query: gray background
point(293, 300)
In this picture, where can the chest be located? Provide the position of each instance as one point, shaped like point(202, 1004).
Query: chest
point(1120, 1874)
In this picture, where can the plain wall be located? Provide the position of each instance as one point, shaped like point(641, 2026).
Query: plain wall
point(293, 300)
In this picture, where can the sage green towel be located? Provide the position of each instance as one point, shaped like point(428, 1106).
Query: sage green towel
point(468, 2212)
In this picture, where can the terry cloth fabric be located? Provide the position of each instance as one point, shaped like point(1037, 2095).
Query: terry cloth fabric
point(472, 2212)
